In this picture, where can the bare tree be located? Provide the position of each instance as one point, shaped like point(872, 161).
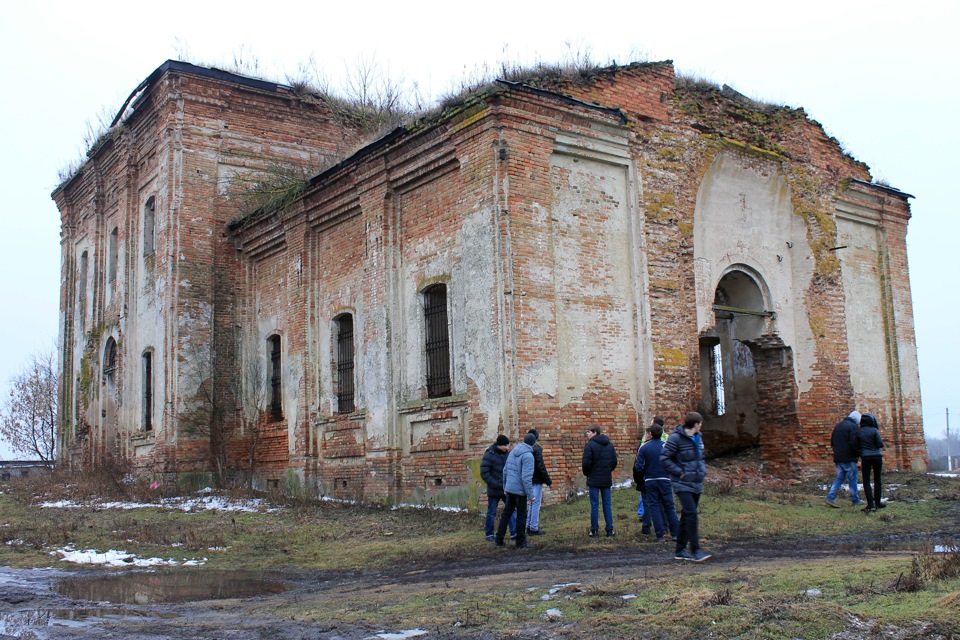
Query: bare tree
point(28, 416)
point(252, 404)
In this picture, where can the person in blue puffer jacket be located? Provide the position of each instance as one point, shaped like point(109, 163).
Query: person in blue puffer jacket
point(518, 485)
point(682, 458)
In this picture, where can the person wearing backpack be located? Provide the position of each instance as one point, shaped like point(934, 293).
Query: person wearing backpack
point(657, 491)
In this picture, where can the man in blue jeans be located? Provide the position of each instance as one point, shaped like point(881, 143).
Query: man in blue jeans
point(599, 461)
point(846, 449)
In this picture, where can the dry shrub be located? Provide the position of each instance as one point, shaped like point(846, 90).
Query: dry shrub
point(722, 486)
point(909, 583)
point(720, 598)
point(930, 566)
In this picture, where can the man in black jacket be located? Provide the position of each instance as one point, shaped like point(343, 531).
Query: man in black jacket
point(491, 470)
point(682, 459)
point(540, 477)
point(599, 461)
point(846, 450)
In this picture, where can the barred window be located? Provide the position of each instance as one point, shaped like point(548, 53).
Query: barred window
point(345, 363)
point(147, 390)
point(437, 336)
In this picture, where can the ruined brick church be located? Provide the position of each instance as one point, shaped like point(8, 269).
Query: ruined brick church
point(544, 253)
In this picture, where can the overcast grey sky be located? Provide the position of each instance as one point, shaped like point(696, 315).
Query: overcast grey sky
point(880, 76)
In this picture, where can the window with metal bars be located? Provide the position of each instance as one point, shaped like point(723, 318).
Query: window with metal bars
point(148, 391)
point(276, 401)
point(345, 363)
point(437, 336)
point(716, 371)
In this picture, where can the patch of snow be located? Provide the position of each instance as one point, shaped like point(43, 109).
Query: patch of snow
point(553, 613)
point(813, 592)
point(114, 558)
point(203, 503)
point(940, 548)
point(548, 596)
point(628, 596)
point(409, 633)
point(945, 475)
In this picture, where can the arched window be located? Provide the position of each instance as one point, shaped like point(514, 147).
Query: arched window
point(109, 360)
point(149, 226)
point(437, 338)
point(147, 412)
point(343, 325)
point(275, 378)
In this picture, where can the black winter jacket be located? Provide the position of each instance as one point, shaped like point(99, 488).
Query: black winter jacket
point(599, 461)
point(871, 444)
point(491, 470)
point(845, 441)
point(540, 473)
point(682, 459)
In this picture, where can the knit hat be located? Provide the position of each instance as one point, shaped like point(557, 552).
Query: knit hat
point(530, 439)
point(536, 434)
point(855, 416)
point(502, 440)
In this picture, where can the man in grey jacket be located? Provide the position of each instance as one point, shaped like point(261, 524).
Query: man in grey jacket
point(518, 485)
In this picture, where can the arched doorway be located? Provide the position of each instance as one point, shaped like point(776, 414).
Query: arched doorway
point(747, 377)
point(108, 398)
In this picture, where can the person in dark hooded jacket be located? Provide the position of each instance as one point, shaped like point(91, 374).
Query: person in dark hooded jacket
point(871, 460)
point(846, 449)
point(599, 461)
point(683, 460)
point(491, 471)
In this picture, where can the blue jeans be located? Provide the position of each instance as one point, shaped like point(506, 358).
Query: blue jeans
point(492, 504)
point(533, 513)
point(658, 495)
point(848, 471)
point(596, 494)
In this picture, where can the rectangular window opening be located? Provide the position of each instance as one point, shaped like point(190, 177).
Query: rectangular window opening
point(148, 391)
point(437, 341)
point(716, 365)
point(345, 364)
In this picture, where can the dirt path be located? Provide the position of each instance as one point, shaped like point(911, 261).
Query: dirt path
point(30, 607)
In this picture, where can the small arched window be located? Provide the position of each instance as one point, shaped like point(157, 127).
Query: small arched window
point(275, 378)
point(110, 360)
point(149, 226)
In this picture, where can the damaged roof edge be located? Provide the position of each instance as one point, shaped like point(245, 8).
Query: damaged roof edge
point(882, 187)
point(176, 65)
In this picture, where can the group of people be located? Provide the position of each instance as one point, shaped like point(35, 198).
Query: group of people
point(857, 437)
point(664, 466)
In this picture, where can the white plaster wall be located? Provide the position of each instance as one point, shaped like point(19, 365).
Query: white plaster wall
point(594, 301)
point(744, 216)
point(863, 303)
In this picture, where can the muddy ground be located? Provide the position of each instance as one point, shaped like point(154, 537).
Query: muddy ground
point(31, 607)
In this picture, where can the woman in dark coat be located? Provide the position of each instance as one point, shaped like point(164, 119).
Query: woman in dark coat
point(491, 470)
point(871, 459)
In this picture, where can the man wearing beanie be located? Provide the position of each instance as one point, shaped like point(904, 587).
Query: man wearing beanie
point(540, 477)
point(518, 485)
point(491, 470)
point(846, 449)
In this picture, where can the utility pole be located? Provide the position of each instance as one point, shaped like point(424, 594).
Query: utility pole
point(949, 459)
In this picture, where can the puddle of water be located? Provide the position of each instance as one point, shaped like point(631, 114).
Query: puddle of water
point(166, 588)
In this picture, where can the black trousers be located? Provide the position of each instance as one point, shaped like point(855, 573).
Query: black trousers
point(516, 503)
point(689, 521)
point(874, 465)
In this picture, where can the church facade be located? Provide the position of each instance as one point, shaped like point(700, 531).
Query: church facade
point(540, 254)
